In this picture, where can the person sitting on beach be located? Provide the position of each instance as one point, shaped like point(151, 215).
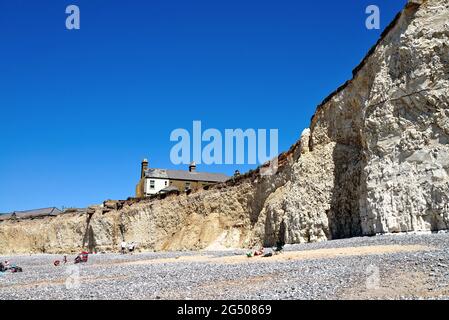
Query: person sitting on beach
point(123, 247)
point(131, 247)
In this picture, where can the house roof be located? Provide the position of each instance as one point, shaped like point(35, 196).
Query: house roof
point(53, 211)
point(185, 175)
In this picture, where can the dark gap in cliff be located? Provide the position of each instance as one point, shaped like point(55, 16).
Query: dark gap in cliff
point(343, 216)
point(89, 241)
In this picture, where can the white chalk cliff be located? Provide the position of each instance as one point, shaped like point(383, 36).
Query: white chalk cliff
point(375, 160)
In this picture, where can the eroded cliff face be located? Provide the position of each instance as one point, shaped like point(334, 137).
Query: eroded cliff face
point(375, 160)
point(406, 126)
point(378, 158)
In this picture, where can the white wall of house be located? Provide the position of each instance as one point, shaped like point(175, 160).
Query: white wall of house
point(158, 184)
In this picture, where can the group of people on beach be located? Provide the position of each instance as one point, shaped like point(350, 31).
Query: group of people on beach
point(7, 266)
point(127, 248)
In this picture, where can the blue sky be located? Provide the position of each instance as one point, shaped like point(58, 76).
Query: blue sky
point(81, 108)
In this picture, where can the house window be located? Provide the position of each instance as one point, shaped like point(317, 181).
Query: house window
point(166, 183)
point(151, 184)
point(187, 186)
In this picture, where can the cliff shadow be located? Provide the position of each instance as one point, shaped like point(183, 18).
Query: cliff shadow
point(344, 214)
point(89, 241)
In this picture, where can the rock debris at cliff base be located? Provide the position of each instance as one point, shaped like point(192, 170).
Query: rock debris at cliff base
point(414, 267)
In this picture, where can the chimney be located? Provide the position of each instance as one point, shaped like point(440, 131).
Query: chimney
point(143, 168)
point(192, 167)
